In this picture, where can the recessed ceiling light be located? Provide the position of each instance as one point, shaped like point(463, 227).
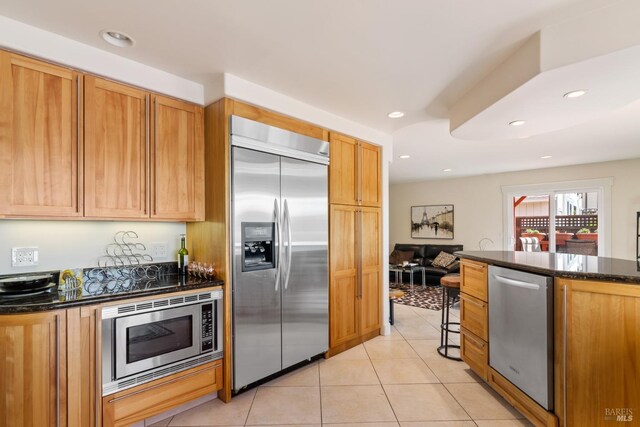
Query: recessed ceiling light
point(117, 38)
point(546, 157)
point(517, 123)
point(405, 156)
point(447, 170)
point(395, 114)
point(575, 93)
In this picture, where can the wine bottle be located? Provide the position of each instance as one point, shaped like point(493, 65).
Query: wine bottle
point(183, 256)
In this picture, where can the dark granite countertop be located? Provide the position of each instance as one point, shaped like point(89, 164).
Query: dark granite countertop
point(102, 291)
point(562, 265)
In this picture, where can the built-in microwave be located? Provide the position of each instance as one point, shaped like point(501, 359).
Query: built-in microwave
point(146, 340)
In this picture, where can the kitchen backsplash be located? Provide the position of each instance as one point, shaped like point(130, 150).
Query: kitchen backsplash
point(76, 244)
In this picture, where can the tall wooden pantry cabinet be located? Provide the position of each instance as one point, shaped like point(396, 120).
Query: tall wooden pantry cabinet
point(355, 242)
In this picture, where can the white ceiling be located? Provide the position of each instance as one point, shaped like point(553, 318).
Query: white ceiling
point(357, 59)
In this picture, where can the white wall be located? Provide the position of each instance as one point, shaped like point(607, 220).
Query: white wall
point(478, 203)
point(43, 44)
point(75, 244)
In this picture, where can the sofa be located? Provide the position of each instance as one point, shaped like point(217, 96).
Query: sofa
point(424, 256)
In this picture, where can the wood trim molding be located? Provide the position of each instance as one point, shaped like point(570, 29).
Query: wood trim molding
point(282, 121)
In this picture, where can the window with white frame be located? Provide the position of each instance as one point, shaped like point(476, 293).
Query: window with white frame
point(570, 216)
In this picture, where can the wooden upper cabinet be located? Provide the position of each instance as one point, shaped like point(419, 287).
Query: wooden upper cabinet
point(116, 155)
point(39, 139)
point(177, 152)
point(354, 172)
point(33, 369)
point(343, 170)
point(370, 175)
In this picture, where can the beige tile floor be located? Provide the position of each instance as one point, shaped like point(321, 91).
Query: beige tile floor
point(396, 380)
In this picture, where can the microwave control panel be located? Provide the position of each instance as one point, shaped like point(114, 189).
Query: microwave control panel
point(207, 327)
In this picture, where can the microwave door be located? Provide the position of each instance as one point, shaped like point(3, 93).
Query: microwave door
point(149, 340)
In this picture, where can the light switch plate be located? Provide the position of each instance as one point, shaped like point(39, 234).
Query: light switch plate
point(24, 257)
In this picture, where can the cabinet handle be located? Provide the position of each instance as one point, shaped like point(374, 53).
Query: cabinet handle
point(98, 370)
point(58, 370)
point(155, 145)
point(472, 302)
point(473, 340)
point(359, 247)
point(78, 160)
point(475, 267)
point(359, 173)
point(564, 353)
point(147, 154)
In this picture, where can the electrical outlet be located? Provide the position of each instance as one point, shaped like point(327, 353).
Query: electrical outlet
point(159, 250)
point(24, 257)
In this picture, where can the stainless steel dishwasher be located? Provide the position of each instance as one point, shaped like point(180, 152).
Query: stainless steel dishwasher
point(521, 331)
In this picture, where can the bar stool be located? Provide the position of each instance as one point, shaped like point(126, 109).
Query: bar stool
point(393, 295)
point(450, 290)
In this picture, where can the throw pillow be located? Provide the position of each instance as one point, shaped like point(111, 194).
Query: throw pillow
point(398, 257)
point(453, 265)
point(443, 260)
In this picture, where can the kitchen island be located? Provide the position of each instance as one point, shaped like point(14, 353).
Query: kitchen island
point(595, 335)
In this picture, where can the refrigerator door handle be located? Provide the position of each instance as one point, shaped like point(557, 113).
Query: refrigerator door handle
point(276, 212)
point(287, 220)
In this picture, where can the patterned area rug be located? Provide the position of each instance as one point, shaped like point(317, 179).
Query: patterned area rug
point(430, 297)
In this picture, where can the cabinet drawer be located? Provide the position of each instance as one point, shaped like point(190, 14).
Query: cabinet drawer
point(473, 316)
point(473, 279)
point(129, 406)
point(475, 353)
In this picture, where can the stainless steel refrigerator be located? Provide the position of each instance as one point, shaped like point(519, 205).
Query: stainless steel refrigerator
point(279, 249)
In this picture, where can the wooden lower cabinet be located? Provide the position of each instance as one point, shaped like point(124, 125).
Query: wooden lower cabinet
point(355, 276)
point(130, 406)
point(371, 270)
point(474, 320)
point(475, 353)
point(33, 369)
point(83, 343)
point(473, 279)
point(597, 353)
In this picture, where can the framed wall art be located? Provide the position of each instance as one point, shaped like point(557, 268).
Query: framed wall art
point(432, 222)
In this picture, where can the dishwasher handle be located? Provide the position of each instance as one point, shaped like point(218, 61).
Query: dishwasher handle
point(517, 283)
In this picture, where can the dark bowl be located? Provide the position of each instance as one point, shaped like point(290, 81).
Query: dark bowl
point(25, 283)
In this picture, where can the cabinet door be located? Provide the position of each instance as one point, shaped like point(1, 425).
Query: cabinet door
point(343, 275)
point(474, 279)
point(371, 270)
point(116, 153)
point(82, 384)
point(343, 170)
point(32, 369)
point(601, 360)
point(371, 175)
point(177, 172)
point(39, 139)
